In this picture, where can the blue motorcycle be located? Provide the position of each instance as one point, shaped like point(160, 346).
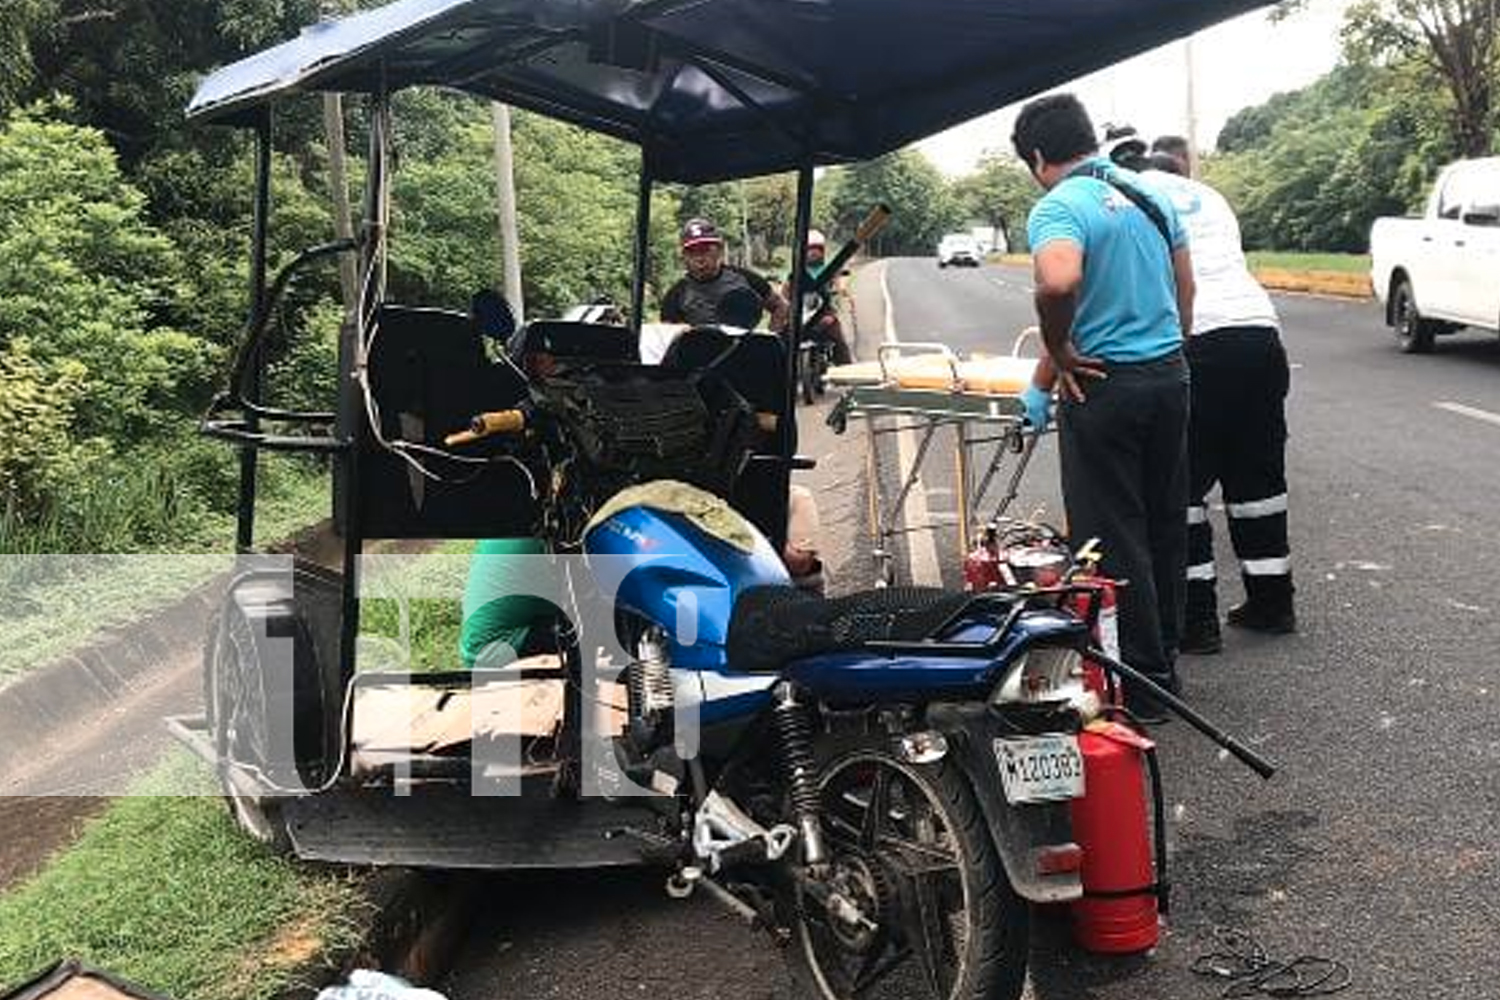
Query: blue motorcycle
point(881, 780)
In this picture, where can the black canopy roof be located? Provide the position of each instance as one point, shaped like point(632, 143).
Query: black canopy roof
point(714, 89)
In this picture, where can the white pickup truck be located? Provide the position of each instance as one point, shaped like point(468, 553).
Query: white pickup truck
point(1441, 272)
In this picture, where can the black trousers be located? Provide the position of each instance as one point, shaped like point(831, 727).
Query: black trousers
point(1237, 440)
point(1125, 481)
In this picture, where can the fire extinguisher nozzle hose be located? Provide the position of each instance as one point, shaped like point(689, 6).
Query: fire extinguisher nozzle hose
point(1260, 765)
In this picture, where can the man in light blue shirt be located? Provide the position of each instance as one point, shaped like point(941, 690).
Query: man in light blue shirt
point(1114, 295)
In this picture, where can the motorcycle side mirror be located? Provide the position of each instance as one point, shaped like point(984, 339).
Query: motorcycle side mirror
point(491, 315)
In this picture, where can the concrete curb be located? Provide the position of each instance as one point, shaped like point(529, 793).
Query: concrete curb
point(1352, 285)
point(93, 677)
point(1330, 284)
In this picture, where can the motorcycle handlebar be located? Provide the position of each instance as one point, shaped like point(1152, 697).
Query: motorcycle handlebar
point(488, 424)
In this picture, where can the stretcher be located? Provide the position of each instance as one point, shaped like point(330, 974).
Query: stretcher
point(922, 389)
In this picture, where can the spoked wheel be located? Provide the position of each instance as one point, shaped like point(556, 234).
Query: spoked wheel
point(917, 903)
point(234, 698)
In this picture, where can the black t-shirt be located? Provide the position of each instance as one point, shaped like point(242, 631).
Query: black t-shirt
point(697, 302)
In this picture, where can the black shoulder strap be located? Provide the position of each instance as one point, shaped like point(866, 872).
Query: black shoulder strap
point(1137, 198)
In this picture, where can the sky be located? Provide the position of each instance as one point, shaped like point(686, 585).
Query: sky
point(1237, 63)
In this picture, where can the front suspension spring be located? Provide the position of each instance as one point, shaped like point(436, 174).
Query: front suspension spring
point(795, 728)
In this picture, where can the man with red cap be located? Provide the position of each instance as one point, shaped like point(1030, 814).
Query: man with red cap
point(699, 297)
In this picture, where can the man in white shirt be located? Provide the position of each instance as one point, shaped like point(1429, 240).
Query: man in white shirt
point(1237, 429)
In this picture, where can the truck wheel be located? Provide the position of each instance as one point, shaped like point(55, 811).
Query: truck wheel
point(1414, 335)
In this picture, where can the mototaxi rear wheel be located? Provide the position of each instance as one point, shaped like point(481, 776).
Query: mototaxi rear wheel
point(235, 707)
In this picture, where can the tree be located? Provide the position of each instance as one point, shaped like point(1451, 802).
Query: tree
point(88, 280)
point(576, 196)
point(18, 20)
point(914, 189)
point(576, 199)
point(771, 204)
point(1454, 39)
point(39, 453)
point(1252, 126)
point(1311, 169)
point(999, 193)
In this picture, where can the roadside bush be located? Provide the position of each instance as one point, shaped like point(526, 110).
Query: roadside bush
point(39, 454)
point(84, 277)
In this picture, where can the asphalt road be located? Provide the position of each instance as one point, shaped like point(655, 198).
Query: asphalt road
point(1374, 845)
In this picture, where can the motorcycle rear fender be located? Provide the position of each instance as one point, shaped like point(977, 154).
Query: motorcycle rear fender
point(1020, 833)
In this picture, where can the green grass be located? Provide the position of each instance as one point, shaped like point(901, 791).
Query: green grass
point(166, 892)
point(52, 604)
point(1350, 263)
point(433, 622)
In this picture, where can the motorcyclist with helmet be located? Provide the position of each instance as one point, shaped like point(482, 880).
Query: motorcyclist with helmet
point(823, 326)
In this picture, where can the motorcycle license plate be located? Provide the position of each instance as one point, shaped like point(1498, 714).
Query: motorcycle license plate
point(1040, 768)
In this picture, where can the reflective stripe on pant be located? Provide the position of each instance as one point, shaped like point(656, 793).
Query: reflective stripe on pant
point(1237, 440)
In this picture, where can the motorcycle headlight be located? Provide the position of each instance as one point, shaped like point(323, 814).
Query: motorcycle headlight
point(1044, 674)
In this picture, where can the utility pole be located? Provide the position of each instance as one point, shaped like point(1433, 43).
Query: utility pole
point(745, 224)
point(1192, 106)
point(505, 190)
point(338, 182)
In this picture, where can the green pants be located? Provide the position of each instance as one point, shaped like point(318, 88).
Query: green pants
point(500, 614)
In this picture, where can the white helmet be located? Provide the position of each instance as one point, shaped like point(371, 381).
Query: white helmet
point(815, 238)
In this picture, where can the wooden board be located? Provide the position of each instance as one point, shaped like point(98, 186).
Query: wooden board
point(393, 718)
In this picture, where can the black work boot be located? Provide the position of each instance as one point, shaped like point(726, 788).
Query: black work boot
point(1254, 617)
point(1268, 606)
point(1200, 637)
point(1144, 707)
point(1200, 629)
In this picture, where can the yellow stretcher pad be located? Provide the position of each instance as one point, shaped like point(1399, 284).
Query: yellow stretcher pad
point(992, 376)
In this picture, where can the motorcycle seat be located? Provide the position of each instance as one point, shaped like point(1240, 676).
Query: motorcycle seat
point(773, 625)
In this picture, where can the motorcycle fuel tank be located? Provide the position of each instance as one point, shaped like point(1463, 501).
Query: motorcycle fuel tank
point(666, 568)
point(670, 570)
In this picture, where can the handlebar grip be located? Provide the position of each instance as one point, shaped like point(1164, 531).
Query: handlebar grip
point(487, 424)
point(874, 222)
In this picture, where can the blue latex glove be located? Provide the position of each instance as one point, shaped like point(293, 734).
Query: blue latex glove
point(1038, 403)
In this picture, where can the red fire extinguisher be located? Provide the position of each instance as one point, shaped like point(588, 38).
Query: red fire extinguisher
point(1124, 878)
point(1106, 632)
point(984, 569)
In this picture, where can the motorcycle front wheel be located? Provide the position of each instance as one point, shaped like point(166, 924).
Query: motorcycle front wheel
point(807, 376)
point(932, 914)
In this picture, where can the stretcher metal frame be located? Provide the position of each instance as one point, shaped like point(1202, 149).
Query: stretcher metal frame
point(977, 419)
